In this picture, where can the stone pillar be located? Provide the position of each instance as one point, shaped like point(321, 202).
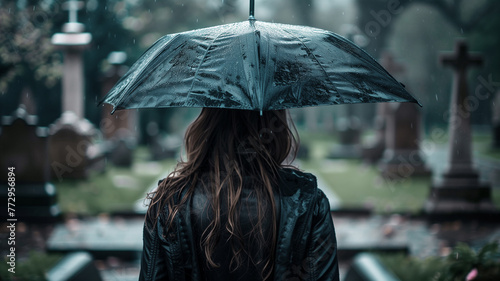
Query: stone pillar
point(71, 149)
point(460, 189)
point(73, 42)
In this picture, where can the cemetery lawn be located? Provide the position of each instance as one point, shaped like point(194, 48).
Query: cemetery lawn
point(358, 185)
point(115, 190)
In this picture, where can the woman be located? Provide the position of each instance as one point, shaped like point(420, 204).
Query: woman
point(235, 211)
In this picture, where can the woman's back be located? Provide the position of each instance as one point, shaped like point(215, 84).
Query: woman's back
point(255, 252)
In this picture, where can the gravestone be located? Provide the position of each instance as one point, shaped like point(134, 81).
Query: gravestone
point(73, 41)
point(73, 152)
point(118, 129)
point(349, 133)
point(374, 151)
point(24, 148)
point(496, 121)
point(121, 154)
point(161, 147)
point(460, 189)
point(71, 149)
point(123, 123)
point(402, 157)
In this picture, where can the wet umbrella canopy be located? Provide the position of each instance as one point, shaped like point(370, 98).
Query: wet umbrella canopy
point(254, 65)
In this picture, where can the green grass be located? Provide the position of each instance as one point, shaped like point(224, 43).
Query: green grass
point(99, 193)
point(361, 186)
point(358, 185)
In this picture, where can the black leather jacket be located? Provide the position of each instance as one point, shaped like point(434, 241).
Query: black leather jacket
point(306, 247)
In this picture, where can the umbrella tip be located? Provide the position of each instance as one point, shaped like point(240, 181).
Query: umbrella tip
point(252, 9)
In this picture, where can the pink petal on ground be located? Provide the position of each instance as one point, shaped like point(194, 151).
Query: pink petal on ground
point(472, 275)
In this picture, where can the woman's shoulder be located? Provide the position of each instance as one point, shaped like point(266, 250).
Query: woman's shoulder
point(293, 180)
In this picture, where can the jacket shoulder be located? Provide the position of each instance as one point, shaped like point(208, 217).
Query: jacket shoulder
point(293, 180)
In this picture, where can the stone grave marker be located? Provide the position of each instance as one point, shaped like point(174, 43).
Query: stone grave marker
point(73, 41)
point(374, 151)
point(460, 189)
point(349, 133)
point(72, 151)
point(121, 154)
point(402, 157)
point(24, 147)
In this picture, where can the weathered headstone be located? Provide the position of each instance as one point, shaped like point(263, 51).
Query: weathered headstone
point(160, 147)
point(24, 150)
point(402, 157)
point(119, 129)
point(373, 151)
point(460, 189)
point(72, 151)
point(349, 133)
point(496, 121)
point(121, 154)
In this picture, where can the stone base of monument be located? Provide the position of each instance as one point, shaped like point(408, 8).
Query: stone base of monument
point(402, 164)
point(460, 197)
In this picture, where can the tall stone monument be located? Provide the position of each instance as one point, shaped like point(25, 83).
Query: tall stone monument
point(460, 189)
point(73, 41)
point(71, 142)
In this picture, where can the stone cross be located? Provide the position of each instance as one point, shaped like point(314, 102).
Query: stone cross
point(73, 7)
point(73, 41)
point(460, 190)
point(460, 158)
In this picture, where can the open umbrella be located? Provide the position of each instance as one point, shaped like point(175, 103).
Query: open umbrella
point(254, 65)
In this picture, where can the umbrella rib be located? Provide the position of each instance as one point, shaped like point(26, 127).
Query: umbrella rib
point(315, 58)
point(202, 60)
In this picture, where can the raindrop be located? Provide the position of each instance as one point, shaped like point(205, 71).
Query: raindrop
point(134, 41)
point(343, 13)
point(437, 97)
point(34, 8)
point(462, 30)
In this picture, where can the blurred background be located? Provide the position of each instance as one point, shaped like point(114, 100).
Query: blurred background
point(409, 189)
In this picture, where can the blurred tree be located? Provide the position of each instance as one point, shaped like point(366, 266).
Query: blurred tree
point(377, 16)
point(27, 58)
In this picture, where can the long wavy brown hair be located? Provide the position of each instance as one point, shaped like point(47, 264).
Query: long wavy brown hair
point(229, 145)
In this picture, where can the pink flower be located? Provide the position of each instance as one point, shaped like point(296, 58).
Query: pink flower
point(472, 275)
